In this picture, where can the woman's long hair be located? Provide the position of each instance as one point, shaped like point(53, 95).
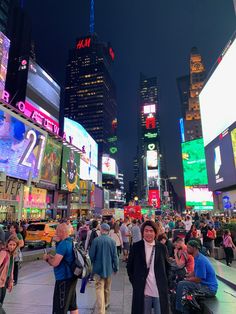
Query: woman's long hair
point(14, 239)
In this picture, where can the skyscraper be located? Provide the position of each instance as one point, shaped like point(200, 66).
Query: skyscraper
point(90, 96)
point(193, 127)
point(148, 140)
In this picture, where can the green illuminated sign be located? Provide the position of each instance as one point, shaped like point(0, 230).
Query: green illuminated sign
point(150, 135)
point(194, 163)
point(113, 150)
point(112, 139)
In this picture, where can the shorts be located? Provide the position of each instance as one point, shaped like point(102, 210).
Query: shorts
point(126, 246)
point(64, 297)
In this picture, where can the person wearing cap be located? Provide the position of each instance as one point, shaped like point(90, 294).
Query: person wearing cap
point(103, 255)
point(202, 279)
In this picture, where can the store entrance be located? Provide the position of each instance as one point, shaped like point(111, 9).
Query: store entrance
point(7, 213)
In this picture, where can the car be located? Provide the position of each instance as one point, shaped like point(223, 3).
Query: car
point(40, 234)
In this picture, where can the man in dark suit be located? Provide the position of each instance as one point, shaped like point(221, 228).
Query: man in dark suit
point(148, 273)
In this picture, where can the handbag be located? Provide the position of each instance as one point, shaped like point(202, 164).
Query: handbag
point(211, 234)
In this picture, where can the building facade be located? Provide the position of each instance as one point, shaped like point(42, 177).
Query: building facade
point(90, 96)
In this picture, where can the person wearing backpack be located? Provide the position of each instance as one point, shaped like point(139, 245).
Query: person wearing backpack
point(92, 234)
point(104, 258)
point(64, 298)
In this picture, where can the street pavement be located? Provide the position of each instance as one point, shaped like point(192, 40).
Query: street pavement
point(34, 292)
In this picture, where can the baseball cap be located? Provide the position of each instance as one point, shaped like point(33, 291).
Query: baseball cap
point(105, 227)
point(194, 243)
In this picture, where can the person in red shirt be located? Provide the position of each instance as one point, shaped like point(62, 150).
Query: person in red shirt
point(181, 256)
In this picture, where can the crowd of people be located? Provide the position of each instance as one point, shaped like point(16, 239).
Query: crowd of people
point(165, 257)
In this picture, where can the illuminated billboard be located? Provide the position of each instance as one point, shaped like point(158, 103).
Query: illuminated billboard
point(35, 197)
point(218, 97)
point(109, 166)
point(70, 170)
point(152, 161)
point(4, 52)
point(194, 163)
point(220, 157)
point(154, 198)
point(149, 109)
point(50, 170)
point(199, 198)
point(80, 138)
point(152, 177)
point(22, 146)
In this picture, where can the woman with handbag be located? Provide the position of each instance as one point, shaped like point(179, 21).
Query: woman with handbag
point(7, 266)
point(228, 245)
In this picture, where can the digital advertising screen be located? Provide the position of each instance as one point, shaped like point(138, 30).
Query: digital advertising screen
point(109, 166)
point(35, 197)
point(154, 198)
point(152, 161)
point(80, 138)
point(42, 86)
point(70, 170)
point(199, 198)
point(4, 53)
point(218, 96)
point(22, 146)
point(50, 170)
point(194, 163)
point(152, 176)
point(220, 157)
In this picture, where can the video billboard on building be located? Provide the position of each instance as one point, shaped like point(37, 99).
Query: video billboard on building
point(218, 96)
point(154, 198)
point(199, 198)
point(22, 146)
point(220, 156)
point(50, 170)
point(194, 163)
point(80, 138)
point(70, 170)
point(109, 166)
point(4, 52)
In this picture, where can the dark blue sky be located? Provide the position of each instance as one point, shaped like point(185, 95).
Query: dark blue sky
point(150, 36)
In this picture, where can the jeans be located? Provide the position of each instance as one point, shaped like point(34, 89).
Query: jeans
point(190, 287)
point(229, 255)
point(151, 302)
point(15, 271)
point(103, 291)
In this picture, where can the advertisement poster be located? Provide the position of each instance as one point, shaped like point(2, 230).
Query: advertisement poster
point(194, 163)
point(35, 197)
point(70, 170)
point(22, 146)
point(50, 170)
point(108, 166)
point(199, 198)
point(4, 53)
point(233, 138)
point(133, 212)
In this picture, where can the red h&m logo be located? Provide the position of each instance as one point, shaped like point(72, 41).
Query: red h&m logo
point(83, 43)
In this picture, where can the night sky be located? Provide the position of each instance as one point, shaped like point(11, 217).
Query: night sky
point(149, 36)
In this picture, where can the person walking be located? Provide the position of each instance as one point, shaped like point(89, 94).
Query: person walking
point(64, 298)
point(7, 267)
point(103, 255)
point(228, 247)
point(115, 234)
point(135, 232)
point(148, 271)
point(15, 231)
point(125, 233)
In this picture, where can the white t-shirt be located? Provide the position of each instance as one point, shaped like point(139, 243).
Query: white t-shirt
point(151, 285)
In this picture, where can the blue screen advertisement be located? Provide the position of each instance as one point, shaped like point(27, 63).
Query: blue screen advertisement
point(22, 146)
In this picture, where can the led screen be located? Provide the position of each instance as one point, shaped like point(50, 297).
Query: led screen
point(40, 83)
point(149, 109)
point(79, 137)
point(194, 163)
point(199, 198)
point(51, 163)
point(152, 159)
point(35, 197)
point(22, 146)
point(109, 166)
point(70, 170)
point(220, 156)
point(218, 97)
point(154, 198)
point(4, 52)
point(152, 176)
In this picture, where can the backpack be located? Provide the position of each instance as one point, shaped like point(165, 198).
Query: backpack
point(83, 234)
point(81, 267)
point(93, 235)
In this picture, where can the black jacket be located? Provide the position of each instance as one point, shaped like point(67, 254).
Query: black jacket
point(138, 272)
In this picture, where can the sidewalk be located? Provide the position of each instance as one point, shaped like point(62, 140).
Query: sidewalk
point(34, 292)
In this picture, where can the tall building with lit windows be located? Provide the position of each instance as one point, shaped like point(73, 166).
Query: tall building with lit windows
point(90, 96)
point(148, 141)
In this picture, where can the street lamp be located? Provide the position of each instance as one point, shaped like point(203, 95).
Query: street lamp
point(166, 189)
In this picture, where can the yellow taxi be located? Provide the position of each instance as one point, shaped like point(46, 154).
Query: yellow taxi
point(40, 234)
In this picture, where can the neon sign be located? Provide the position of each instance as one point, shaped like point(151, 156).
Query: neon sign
point(83, 43)
point(149, 109)
point(150, 135)
point(112, 54)
point(39, 117)
point(150, 122)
